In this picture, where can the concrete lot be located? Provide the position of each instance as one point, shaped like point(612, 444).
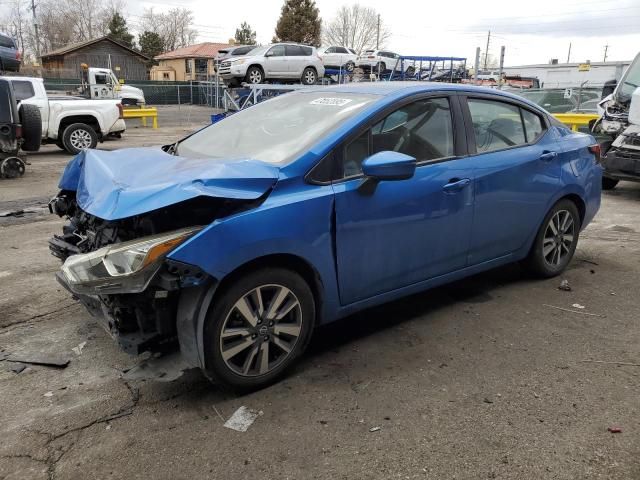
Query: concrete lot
point(479, 379)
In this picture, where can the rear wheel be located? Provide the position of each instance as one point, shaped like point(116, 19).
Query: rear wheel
point(257, 328)
point(381, 68)
point(31, 127)
point(556, 240)
point(350, 67)
point(309, 76)
point(609, 183)
point(79, 136)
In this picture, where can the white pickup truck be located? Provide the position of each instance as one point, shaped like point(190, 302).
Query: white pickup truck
point(72, 123)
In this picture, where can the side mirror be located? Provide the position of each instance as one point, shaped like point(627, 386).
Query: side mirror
point(389, 165)
point(269, 54)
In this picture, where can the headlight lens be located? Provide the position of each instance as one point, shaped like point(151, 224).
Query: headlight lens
point(124, 267)
point(237, 62)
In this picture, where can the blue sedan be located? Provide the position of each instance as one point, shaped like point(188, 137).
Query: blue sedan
point(233, 244)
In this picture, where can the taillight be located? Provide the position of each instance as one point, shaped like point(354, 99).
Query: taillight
point(371, 56)
point(120, 111)
point(18, 131)
point(18, 55)
point(595, 149)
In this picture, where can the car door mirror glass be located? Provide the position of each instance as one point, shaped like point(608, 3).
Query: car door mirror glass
point(388, 165)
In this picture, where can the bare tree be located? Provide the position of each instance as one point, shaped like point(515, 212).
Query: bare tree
point(356, 27)
point(173, 26)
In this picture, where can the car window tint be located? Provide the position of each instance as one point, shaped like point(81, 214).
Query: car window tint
point(341, 50)
point(533, 126)
point(294, 51)
point(242, 50)
point(22, 90)
point(354, 154)
point(330, 50)
point(6, 42)
point(422, 129)
point(306, 51)
point(352, 51)
point(277, 51)
point(497, 125)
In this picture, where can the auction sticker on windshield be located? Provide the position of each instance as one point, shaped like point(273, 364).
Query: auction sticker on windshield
point(336, 102)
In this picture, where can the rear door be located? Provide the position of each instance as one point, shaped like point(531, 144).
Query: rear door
point(296, 60)
point(24, 91)
point(391, 234)
point(517, 170)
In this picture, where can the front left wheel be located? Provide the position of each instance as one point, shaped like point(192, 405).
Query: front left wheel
point(309, 76)
point(257, 328)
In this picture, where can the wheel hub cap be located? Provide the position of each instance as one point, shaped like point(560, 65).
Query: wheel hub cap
point(559, 237)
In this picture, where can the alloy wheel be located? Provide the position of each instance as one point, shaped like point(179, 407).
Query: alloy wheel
point(80, 139)
point(255, 76)
point(558, 238)
point(261, 330)
point(310, 77)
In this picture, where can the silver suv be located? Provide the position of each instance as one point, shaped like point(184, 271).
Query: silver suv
point(281, 61)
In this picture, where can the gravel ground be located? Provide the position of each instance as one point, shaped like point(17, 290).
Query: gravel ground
point(479, 379)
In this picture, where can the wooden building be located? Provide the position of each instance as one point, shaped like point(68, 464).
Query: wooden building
point(102, 52)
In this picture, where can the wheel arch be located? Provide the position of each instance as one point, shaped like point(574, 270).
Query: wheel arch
point(71, 119)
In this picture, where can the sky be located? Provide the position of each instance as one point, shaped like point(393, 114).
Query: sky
point(532, 32)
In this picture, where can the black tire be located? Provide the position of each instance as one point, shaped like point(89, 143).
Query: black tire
point(381, 67)
point(547, 266)
point(350, 67)
point(411, 71)
point(79, 136)
point(309, 76)
point(31, 127)
point(609, 183)
point(254, 75)
point(223, 315)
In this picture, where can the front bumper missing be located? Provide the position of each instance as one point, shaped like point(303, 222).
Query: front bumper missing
point(622, 164)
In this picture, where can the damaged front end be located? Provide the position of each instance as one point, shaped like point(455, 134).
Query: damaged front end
point(116, 264)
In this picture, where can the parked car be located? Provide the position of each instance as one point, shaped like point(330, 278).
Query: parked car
point(72, 123)
point(10, 57)
point(235, 51)
point(563, 100)
point(281, 61)
point(234, 243)
point(382, 61)
point(337, 57)
point(492, 76)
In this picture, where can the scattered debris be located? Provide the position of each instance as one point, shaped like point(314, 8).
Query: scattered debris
point(592, 271)
point(628, 364)
point(17, 367)
point(165, 368)
point(40, 359)
point(108, 427)
point(375, 429)
point(78, 350)
point(486, 400)
point(564, 285)
point(218, 413)
point(242, 419)
point(615, 429)
point(577, 305)
point(572, 311)
point(612, 293)
point(48, 394)
point(536, 395)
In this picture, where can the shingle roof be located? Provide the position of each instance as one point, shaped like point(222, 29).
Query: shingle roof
point(199, 50)
point(75, 46)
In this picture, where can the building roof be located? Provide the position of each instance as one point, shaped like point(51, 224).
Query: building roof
point(76, 46)
point(199, 50)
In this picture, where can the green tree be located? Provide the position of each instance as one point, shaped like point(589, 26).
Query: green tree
point(244, 35)
point(119, 31)
point(299, 22)
point(151, 44)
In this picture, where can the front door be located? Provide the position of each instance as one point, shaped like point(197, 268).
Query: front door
point(517, 171)
point(276, 63)
point(392, 234)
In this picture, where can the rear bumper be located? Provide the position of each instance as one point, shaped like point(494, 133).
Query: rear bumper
point(10, 64)
point(622, 164)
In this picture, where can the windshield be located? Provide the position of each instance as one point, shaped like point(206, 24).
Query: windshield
point(277, 130)
point(259, 50)
point(630, 81)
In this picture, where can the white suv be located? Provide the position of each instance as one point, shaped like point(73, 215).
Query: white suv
point(282, 61)
point(338, 57)
point(383, 61)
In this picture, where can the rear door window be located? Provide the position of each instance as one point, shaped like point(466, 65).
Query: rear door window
point(497, 125)
point(341, 50)
point(533, 125)
point(22, 90)
point(306, 51)
point(293, 51)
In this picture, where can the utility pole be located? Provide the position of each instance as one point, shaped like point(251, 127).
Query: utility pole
point(486, 52)
point(606, 49)
point(35, 25)
point(378, 34)
point(569, 54)
point(501, 67)
point(476, 66)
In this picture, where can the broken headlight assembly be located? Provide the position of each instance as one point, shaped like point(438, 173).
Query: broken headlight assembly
point(125, 267)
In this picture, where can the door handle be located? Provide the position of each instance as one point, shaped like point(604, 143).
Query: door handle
point(456, 184)
point(548, 156)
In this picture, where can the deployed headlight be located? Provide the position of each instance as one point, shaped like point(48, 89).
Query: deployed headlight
point(123, 267)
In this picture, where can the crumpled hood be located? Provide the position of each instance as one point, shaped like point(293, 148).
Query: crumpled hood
point(123, 183)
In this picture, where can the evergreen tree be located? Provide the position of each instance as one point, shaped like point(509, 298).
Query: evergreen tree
point(119, 31)
point(244, 35)
point(299, 22)
point(151, 44)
